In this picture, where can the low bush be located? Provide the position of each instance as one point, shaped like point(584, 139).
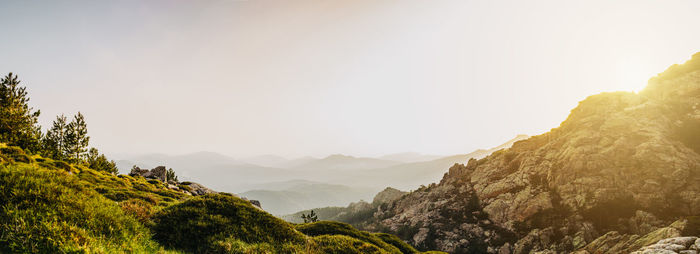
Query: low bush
point(342, 244)
point(339, 228)
point(200, 223)
point(396, 242)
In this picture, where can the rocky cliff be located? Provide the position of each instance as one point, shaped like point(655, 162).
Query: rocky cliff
point(622, 162)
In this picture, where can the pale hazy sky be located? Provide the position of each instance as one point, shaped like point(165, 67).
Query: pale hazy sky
point(321, 77)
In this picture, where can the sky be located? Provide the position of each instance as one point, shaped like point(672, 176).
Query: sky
point(361, 77)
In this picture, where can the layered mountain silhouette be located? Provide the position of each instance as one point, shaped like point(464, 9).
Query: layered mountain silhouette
point(335, 180)
point(296, 195)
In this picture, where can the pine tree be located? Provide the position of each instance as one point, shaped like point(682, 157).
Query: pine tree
point(170, 175)
point(98, 161)
point(54, 143)
point(77, 139)
point(311, 217)
point(18, 121)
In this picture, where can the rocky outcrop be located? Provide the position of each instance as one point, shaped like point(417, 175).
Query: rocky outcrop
point(615, 242)
point(159, 173)
point(622, 164)
point(387, 195)
point(676, 245)
point(190, 188)
point(196, 189)
point(255, 203)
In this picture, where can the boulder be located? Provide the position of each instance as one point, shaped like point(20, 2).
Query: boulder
point(196, 189)
point(679, 245)
point(158, 173)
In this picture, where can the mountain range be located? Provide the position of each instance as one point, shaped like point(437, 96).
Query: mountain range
point(335, 180)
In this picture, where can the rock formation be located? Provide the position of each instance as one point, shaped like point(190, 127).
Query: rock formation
point(387, 195)
point(676, 245)
point(621, 162)
point(191, 188)
point(159, 173)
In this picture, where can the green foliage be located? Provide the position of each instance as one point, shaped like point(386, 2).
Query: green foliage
point(15, 154)
point(125, 188)
point(311, 217)
point(78, 206)
point(233, 245)
point(99, 162)
point(69, 141)
point(54, 143)
point(52, 206)
point(170, 175)
point(18, 121)
point(396, 242)
point(77, 139)
point(339, 228)
point(342, 244)
point(198, 223)
point(49, 211)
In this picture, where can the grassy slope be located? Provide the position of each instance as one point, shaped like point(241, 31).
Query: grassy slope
point(53, 207)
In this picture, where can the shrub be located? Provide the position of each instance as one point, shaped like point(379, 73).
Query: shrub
point(342, 244)
point(138, 209)
point(396, 242)
point(339, 228)
point(62, 165)
point(16, 154)
point(200, 223)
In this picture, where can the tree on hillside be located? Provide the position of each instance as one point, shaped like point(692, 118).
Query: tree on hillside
point(18, 121)
point(170, 175)
point(311, 217)
point(77, 139)
point(98, 161)
point(54, 143)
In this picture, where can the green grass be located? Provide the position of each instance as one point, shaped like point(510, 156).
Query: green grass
point(396, 242)
point(52, 212)
point(342, 244)
point(197, 223)
point(50, 206)
point(339, 228)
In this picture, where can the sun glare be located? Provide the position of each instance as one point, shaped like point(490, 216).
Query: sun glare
point(632, 75)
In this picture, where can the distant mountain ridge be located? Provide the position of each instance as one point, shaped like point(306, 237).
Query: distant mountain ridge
point(338, 179)
point(291, 196)
point(345, 162)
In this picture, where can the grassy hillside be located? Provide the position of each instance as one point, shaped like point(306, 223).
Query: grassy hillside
point(55, 207)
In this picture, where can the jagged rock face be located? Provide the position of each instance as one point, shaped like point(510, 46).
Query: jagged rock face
point(387, 195)
point(620, 162)
point(446, 217)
